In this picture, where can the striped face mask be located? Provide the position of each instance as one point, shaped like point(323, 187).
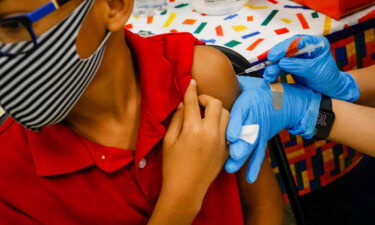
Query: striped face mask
point(40, 88)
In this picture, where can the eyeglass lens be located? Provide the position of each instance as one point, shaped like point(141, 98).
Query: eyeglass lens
point(15, 37)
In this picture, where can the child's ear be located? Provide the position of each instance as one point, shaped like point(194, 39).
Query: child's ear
point(119, 13)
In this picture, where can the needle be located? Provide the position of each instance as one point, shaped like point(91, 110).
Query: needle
point(308, 49)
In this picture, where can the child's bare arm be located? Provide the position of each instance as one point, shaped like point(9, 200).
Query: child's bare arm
point(262, 201)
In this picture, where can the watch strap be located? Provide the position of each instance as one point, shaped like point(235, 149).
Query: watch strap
point(325, 120)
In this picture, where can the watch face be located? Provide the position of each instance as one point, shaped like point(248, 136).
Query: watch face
point(324, 124)
point(322, 118)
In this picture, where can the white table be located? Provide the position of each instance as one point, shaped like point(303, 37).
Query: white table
point(246, 31)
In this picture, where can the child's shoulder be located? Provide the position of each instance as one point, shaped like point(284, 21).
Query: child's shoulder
point(215, 74)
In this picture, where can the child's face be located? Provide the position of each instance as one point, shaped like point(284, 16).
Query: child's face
point(44, 80)
point(93, 28)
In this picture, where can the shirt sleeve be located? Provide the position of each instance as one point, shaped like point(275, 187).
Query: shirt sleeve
point(10, 215)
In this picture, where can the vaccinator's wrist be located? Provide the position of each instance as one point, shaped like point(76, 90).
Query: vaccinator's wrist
point(303, 105)
point(350, 91)
point(326, 118)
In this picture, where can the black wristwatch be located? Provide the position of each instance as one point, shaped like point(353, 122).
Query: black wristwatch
point(326, 118)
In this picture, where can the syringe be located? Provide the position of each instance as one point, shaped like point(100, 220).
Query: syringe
point(308, 49)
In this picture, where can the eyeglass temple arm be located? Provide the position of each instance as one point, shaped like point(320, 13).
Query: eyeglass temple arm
point(46, 9)
point(42, 12)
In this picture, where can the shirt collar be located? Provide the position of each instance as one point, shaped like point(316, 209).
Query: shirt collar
point(57, 150)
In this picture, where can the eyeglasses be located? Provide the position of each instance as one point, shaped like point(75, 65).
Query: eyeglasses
point(17, 35)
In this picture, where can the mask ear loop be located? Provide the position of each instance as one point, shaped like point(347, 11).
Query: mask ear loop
point(104, 41)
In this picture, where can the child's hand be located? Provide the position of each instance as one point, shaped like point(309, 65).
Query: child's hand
point(195, 148)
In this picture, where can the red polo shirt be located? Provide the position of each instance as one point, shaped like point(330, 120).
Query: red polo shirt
point(57, 177)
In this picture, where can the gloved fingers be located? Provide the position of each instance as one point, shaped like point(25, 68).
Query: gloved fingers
point(249, 82)
point(240, 149)
point(295, 66)
point(256, 160)
point(237, 118)
point(278, 51)
point(244, 150)
point(271, 73)
point(307, 41)
point(232, 166)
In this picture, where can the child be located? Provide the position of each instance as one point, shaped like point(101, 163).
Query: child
point(90, 107)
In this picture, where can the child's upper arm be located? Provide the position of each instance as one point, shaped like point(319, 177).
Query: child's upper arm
point(215, 77)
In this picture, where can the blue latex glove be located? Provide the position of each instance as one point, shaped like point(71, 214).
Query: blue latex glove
point(298, 115)
point(317, 70)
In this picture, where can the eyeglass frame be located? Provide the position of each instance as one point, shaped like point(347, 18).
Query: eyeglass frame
point(28, 19)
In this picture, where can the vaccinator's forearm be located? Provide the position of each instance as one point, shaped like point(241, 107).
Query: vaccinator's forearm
point(365, 78)
point(354, 126)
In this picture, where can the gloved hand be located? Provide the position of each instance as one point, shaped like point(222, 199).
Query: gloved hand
point(316, 70)
point(298, 115)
